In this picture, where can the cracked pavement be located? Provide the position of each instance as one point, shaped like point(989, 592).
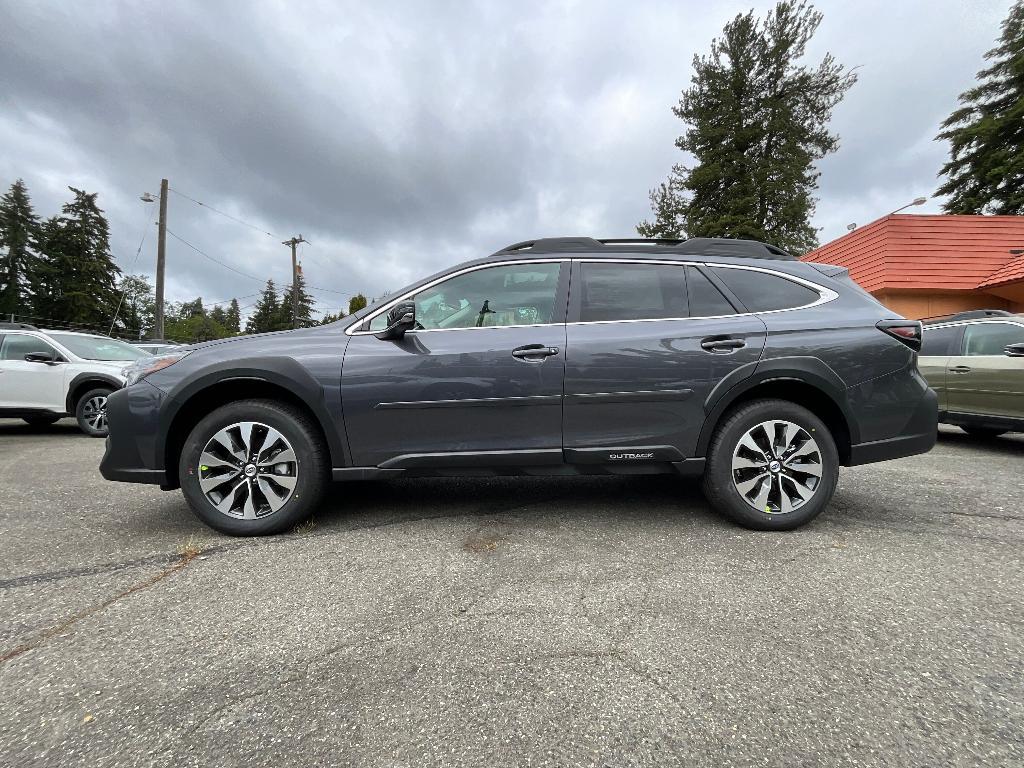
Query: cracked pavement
point(524, 622)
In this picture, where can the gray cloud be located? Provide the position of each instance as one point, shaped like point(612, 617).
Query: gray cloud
point(399, 137)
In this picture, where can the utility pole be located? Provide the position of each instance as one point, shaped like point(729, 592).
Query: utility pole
point(295, 278)
point(161, 252)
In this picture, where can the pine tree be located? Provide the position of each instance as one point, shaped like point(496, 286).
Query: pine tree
point(356, 303)
point(75, 277)
point(757, 121)
point(137, 307)
point(233, 320)
point(985, 172)
point(267, 314)
point(305, 302)
point(19, 231)
point(219, 316)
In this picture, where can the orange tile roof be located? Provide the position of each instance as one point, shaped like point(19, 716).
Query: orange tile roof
point(931, 252)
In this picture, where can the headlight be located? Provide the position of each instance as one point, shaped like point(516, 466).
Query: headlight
point(143, 367)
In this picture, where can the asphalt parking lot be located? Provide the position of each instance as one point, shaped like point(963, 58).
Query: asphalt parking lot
point(598, 622)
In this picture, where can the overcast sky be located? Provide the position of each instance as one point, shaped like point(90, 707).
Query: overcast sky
point(399, 137)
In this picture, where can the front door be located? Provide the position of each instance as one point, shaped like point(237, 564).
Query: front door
point(479, 381)
point(29, 385)
point(649, 343)
point(983, 379)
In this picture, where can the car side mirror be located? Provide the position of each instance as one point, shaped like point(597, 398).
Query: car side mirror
point(1015, 350)
point(41, 357)
point(401, 318)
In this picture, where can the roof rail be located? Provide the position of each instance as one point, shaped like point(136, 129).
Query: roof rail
point(17, 327)
point(696, 246)
point(971, 314)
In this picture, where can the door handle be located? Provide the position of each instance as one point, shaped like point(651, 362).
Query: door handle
point(722, 345)
point(534, 353)
point(960, 369)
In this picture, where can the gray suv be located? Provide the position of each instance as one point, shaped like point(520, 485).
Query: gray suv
point(571, 356)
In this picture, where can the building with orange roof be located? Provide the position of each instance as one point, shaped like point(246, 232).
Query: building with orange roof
point(925, 266)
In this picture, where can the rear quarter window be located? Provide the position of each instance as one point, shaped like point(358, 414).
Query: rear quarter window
point(764, 292)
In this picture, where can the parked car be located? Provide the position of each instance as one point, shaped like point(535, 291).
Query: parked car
point(568, 356)
point(158, 347)
point(975, 363)
point(47, 375)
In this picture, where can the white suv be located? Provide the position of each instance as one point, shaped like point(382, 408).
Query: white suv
point(46, 375)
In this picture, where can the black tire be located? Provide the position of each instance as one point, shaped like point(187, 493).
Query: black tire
point(311, 467)
point(720, 488)
point(984, 432)
point(85, 412)
point(41, 420)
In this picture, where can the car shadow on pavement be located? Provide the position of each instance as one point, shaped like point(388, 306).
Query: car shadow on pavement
point(18, 428)
point(1011, 444)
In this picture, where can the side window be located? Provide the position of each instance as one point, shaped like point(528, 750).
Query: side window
point(939, 342)
point(762, 292)
point(991, 338)
point(631, 291)
point(16, 345)
point(517, 294)
point(705, 298)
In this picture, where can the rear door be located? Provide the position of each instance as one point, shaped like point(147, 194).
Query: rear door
point(646, 343)
point(938, 345)
point(983, 379)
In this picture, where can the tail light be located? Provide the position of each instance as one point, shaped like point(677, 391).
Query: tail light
point(907, 331)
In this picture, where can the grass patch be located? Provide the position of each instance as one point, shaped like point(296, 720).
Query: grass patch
point(306, 526)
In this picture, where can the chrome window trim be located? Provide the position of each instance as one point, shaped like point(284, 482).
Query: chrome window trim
point(979, 321)
point(408, 294)
point(825, 295)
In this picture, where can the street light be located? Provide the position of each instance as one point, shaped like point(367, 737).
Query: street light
point(917, 201)
point(147, 198)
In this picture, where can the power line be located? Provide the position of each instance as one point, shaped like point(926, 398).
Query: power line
point(215, 261)
point(138, 250)
point(226, 215)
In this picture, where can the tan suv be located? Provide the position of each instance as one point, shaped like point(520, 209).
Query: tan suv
point(975, 362)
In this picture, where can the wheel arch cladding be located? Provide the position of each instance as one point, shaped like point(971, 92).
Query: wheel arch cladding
point(821, 394)
point(83, 382)
point(282, 380)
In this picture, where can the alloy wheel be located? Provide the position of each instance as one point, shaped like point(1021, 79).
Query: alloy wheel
point(248, 470)
point(94, 412)
point(776, 467)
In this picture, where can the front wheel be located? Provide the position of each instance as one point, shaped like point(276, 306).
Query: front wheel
point(91, 412)
point(253, 468)
point(772, 465)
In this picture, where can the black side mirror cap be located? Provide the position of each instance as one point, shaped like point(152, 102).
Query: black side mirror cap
point(1015, 350)
point(401, 318)
point(40, 357)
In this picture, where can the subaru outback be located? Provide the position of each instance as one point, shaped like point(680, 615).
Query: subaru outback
point(569, 356)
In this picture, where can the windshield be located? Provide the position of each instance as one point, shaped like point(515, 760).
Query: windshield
point(99, 348)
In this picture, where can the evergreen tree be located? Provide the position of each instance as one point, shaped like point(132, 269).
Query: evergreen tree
point(19, 228)
point(305, 306)
point(985, 172)
point(219, 316)
point(757, 121)
point(233, 320)
point(137, 307)
point(267, 314)
point(356, 303)
point(75, 278)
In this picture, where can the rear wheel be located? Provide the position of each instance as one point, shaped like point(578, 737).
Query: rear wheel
point(254, 467)
point(984, 431)
point(41, 419)
point(772, 465)
point(91, 412)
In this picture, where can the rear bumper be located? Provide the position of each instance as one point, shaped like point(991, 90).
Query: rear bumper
point(130, 451)
point(918, 436)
